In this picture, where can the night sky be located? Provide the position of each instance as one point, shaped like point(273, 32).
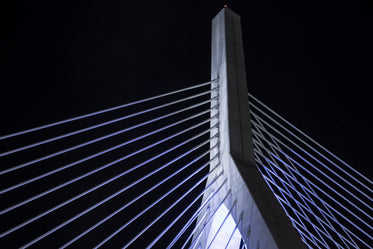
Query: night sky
point(310, 62)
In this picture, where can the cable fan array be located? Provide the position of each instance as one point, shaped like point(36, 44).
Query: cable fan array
point(327, 201)
point(131, 176)
point(135, 176)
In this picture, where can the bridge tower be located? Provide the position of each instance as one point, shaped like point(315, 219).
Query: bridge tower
point(259, 217)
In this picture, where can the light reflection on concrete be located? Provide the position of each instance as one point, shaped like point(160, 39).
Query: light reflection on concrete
point(225, 231)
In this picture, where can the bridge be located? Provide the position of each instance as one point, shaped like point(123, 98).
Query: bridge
point(207, 166)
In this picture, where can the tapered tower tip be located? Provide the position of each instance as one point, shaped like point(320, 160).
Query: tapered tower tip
point(225, 6)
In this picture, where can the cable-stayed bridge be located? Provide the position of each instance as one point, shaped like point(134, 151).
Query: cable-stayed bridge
point(157, 173)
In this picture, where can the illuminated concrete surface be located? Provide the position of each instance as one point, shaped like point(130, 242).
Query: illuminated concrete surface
point(261, 220)
point(222, 227)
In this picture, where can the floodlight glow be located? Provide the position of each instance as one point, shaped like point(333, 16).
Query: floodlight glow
point(222, 228)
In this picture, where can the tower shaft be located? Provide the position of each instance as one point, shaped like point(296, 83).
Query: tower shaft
point(262, 221)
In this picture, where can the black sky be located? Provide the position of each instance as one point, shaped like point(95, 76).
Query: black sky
point(310, 62)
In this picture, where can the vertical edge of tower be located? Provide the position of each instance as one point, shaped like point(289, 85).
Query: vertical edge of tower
point(263, 222)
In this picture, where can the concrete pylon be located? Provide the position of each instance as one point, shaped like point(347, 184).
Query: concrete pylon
point(261, 220)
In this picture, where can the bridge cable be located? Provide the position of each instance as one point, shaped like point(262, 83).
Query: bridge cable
point(102, 124)
point(94, 171)
point(314, 226)
point(347, 209)
point(234, 230)
point(221, 225)
point(157, 201)
point(334, 200)
point(103, 111)
point(104, 151)
point(195, 215)
point(295, 128)
point(185, 209)
point(331, 179)
point(189, 206)
point(316, 168)
point(193, 244)
point(292, 197)
point(145, 192)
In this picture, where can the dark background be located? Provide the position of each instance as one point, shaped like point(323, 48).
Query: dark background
point(310, 62)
